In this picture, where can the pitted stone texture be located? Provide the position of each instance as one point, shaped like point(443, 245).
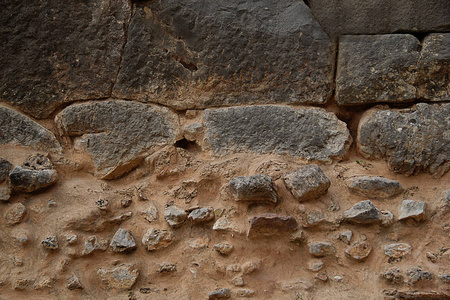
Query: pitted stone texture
point(434, 67)
point(307, 183)
point(220, 294)
point(339, 17)
point(359, 251)
point(374, 187)
point(55, 52)
point(123, 241)
point(410, 140)
point(122, 277)
point(17, 129)
point(377, 68)
point(308, 133)
point(118, 134)
point(414, 275)
point(397, 251)
point(197, 54)
point(412, 210)
point(155, 239)
point(258, 188)
point(15, 213)
point(363, 212)
point(270, 224)
point(34, 174)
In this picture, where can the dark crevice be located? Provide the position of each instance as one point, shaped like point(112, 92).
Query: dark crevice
point(187, 65)
point(419, 35)
point(187, 145)
point(307, 3)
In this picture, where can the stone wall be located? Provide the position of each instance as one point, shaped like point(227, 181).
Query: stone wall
point(225, 149)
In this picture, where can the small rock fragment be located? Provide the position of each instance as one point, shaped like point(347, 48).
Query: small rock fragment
point(220, 294)
point(175, 216)
point(338, 278)
point(314, 218)
point(250, 267)
point(412, 210)
point(72, 239)
point(193, 132)
point(433, 258)
point(374, 187)
point(224, 223)
point(167, 268)
point(50, 243)
point(15, 214)
point(257, 188)
point(5, 192)
point(102, 204)
point(151, 213)
point(387, 218)
point(73, 283)
point(201, 215)
point(95, 244)
point(122, 277)
point(392, 275)
point(298, 237)
point(415, 275)
point(322, 249)
point(270, 224)
point(363, 212)
point(5, 168)
point(359, 251)
point(126, 202)
point(315, 265)
point(445, 277)
point(237, 281)
point(155, 239)
point(123, 241)
point(321, 276)
point(346, 236)
point(307, 183)
point(397, 251)
point(224, 248)
point(245, 293)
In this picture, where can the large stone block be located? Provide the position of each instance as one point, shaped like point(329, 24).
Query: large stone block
point(410, 140)
point(308, 133)
point(197, 54)
point(118, 134)
point(55, 52)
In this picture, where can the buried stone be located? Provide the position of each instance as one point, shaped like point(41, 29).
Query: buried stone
point(271, 224)
point(155, 239)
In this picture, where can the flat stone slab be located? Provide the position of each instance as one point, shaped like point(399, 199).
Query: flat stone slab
point(197, 54)
point(307, 182)
point(375, 187)
point(117, 134)
point(56, 52)
point(412, 210)
point(409, 140)
point(308, 133)
point(19, 130)
point(270, 224)
point(377, 68)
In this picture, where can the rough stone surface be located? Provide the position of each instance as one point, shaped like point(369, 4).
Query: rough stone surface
point(5, 192)
point(192, 132)
point(308, 133)
point(393, 275)
point(17, 129)
point(416, 274)
point(377, 68)
point(322, 249)
point(5, 168)
point(201, 215)
point(257, 188)
point(224, 248)
point(307, 183)
point(220, 294)
point(94, 244)
point(346, 236)
point(200, 54)
point(122, 277)
point(412, 210)
point(374, 187)
point(118, 134)
point(413, 295)
point(15, 213)
point(34, 174)
point(123, 241)
point(50, 243)
point(363, 212)
point(410, 140)
point(339, 17)
point(397, 251)
point(269, 224)
point(155, 239)
point(359, 251)
point(73, 283)
point(315, 265)
point(175, 216)
point(434, 68)
point(387, 218)
point(55, 52)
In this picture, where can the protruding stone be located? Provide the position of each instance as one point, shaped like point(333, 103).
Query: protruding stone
point(377, 68)
point(257, 188)
point(175, 216)
point(123, 241)
point(322, 249)
point(201, 215)
point(73, 283)
point(237, 281)
point(307, 133)
point(167, 268)
point(250, 266)
point(50, 242)
point(193, 132)
point(5, 168)
point(393, 275)
point(387, 218)
point(122, 277)
point(155, 239)
point(15, 213)
point(410, 140)
point(224, 248)
point(220, 294)
point(374, 187)
point(134, 129)
point(246, 293)
point(445, 277)
point(363, 212)
point(315, 265)
point(307, 183)
point(102, 204)
point(34, 174)
point(72, 239)
point(412, 210)
point(414, 275)
point(359, 251)
point(95, 244)
point(270, 224)
point(298, 237)
point(19, 130)
point(5, 192)
point(224, 223)
point(397, 251)
point(150, 213)
point(346, 236)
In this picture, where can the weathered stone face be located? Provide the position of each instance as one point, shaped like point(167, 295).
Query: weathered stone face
point(122, 277)
point(307, 183)
point(117, 134)
point(197, 54)
point(258, 188)
point(375, 187)
point(410, 140)
point(308, 133)
point(270, 224)
point(363, 212)
point(55, 52)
